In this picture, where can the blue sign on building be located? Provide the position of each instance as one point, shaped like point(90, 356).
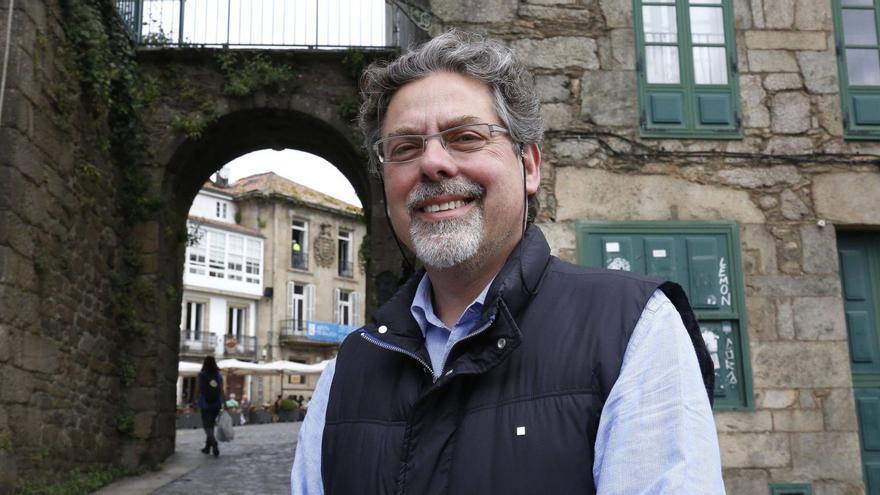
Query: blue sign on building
point(327, 332)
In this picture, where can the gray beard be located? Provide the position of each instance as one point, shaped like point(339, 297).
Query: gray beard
point(452, 242)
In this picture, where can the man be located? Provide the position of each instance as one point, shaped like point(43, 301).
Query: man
point(499, 368)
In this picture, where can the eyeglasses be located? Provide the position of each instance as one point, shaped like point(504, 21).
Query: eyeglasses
point(458, 140)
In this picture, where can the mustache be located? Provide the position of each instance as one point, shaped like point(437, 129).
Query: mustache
point(456, 186)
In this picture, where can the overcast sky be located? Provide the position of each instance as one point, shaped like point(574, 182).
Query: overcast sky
point(307, 169)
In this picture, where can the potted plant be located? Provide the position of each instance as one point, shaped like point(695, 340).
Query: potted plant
point(287, 411)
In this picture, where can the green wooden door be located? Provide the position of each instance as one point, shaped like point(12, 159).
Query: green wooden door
point(860, 273)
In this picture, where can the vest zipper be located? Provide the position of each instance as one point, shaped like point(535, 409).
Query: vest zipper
point(466, 337)
point(394, 348)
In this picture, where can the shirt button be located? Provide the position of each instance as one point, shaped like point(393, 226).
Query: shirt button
point(501, 343)
point(383, 329)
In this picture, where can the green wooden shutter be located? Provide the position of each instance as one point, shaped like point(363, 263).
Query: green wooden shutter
point(703, 257)
point(859, 255)
point(791, 489)
point(682, 103)
point(857, 50)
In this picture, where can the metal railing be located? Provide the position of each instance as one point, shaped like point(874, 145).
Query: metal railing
point(299, 260)
point(275, 23)
point(197, 341)
point(240, 346)
point(292, 328)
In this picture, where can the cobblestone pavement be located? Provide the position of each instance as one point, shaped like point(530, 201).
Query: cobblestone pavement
point(258, 461)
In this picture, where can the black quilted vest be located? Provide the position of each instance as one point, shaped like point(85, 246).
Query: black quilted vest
point(516, 408)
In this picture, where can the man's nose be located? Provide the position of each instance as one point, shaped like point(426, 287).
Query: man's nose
point(436, 163)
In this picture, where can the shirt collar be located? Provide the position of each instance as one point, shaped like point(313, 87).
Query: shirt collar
point(422, 308)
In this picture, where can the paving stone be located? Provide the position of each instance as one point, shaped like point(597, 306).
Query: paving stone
point(258, 460)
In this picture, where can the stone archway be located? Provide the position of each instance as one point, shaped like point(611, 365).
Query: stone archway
point(310, 112)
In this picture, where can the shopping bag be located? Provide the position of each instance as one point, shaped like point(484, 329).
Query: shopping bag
point(225, 433)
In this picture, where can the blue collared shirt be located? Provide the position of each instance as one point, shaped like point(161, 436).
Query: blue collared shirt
point(656, 434)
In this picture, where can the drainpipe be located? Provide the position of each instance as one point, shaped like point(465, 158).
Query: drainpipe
point(6, 56)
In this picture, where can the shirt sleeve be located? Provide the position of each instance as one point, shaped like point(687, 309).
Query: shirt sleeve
point(305, 476)
point(657, 433)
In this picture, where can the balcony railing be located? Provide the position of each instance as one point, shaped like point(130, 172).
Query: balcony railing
point(276, 23)
point(346, 269)
point(240, 346)
point(292, 329)
point(299, 260)
point(197, 342)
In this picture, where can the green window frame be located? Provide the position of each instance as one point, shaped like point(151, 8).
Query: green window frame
point(687, 69)
point(857, 45)
point(791, 489)
point(702, 257)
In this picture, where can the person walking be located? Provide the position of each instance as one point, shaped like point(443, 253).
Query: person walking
point(210, 401)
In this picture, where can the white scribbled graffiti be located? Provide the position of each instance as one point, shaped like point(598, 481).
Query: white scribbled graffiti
point(711, 340)
point(618, 263)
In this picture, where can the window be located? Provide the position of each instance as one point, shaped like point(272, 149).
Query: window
point(193, 320)
point(858, 63)
point(221, 209)
point(235, 258)
point(347, 307)
point(196, 258)
point(299, 252)
point(702, 257)
point(686, 64)
point(253, 260)
point(300, 305)
point(791, 489)
point(236, 322)
point(216, 254)
point(346, 268)
point(229, 256)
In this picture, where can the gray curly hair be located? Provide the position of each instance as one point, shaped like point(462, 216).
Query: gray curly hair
point(516, 100)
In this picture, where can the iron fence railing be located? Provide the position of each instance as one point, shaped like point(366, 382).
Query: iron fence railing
point(275, 23)
point(198, 341)
point(240, 346)
point(292, 328)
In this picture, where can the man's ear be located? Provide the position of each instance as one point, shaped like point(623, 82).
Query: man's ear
point(531, 161)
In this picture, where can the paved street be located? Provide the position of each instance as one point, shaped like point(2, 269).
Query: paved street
point(257, 462)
